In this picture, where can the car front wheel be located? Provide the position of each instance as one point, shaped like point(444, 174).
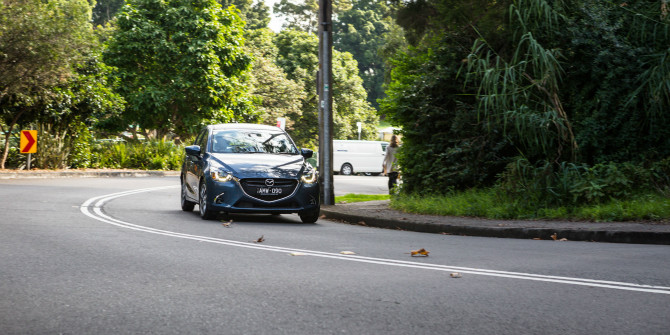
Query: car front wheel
point(205, 212)
point(309, 216)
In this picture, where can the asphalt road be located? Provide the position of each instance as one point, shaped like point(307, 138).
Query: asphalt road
point(118, 256)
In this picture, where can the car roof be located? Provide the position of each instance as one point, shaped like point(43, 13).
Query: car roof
point(242, 126)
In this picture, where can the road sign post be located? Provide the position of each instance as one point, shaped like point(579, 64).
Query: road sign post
point(28, 144)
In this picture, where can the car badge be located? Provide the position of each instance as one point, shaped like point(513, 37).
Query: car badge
point(269, 182)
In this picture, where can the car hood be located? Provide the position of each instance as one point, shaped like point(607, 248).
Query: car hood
point(260, 165)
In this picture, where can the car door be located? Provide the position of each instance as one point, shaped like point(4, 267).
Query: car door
point(194, 164)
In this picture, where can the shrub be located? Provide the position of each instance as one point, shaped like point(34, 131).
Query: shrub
point(549, 184)
point(154, 155)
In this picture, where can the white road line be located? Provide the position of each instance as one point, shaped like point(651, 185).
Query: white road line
point(93, 209)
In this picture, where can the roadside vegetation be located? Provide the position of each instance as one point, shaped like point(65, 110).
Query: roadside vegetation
point(489, 203)
point(351, 197)
point(533, 109)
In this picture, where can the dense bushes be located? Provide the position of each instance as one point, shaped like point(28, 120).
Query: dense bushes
point(568, 184)
point(157, 155)
point(79, 150)
point(445, 144)
point(576, 88)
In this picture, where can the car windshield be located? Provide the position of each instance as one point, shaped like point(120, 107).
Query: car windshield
point(252, 141)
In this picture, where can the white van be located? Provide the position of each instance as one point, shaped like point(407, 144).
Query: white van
point(351, 157)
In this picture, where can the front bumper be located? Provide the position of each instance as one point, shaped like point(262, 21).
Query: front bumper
point(231, 197)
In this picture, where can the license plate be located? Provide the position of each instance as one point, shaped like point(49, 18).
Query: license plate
point(268, 191)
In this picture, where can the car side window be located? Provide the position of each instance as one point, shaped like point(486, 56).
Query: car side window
point(202, 140)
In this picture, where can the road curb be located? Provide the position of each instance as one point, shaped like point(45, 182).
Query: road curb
point(638, 237)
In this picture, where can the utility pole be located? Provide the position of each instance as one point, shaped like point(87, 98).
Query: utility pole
point(326, 101)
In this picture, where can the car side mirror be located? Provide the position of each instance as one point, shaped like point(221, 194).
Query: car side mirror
point(307, 153)
point(192, 150)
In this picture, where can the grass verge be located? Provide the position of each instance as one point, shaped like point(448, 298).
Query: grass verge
point(351, 197)
point(488, 204)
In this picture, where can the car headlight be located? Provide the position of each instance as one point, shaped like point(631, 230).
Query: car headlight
point(221, 175)
point(309, 176)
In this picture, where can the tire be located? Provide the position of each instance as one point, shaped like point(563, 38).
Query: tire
point(347, 169)
point(186, 205)
point(205, 212)
point(309, 216)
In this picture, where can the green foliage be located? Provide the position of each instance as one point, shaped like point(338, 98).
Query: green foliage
point(155, 155)
point(351, 197)
point(488, 203)
point(362, 31)
point(297, 55)
point(472, 202)
point(445, 144)
point(274, 95)
point(569, 184)
point(182, 63)
point(41, 44)
point(579, 89)
point(105, 10)
point(80, 143)
point(298, 15)
point(256, 15)
point(14, 156)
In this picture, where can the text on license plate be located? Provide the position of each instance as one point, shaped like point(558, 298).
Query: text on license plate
point(268, 190)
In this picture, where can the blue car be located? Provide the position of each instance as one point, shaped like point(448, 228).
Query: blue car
point(248, 168)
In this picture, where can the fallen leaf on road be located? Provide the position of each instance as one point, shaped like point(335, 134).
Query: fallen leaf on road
point(362, 223)
point(455, 275)
point(537, 238)
point(322, 216)
point(420, 253)
point(260, 239)
point(563, 239)
point(554, 237)
point(347, 252)
point(227, 224)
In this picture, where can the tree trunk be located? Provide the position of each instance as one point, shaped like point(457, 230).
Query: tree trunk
point(8, 135)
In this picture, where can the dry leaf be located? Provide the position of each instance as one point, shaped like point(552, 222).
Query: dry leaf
point(563, 239)
point(420, 253)
point(227, 224)
point(537, 238)
point(322, 216)
point(455, 275)
point(260, 239)
point(554, 237)
point(362, 223)
point(347, 252)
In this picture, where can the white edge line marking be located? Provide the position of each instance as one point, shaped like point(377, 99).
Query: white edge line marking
point(96, 204)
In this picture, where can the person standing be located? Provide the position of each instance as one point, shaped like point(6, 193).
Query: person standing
point(390, 164)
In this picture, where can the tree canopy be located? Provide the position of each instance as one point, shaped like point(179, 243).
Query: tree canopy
point(41, 45)
point(181, 63)
point(298, 57)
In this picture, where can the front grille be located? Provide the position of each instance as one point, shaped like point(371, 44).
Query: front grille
point(268, 189)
